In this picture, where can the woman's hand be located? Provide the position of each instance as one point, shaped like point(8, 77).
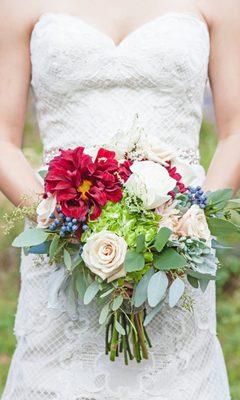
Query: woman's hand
point(223, 18)
point(16, 176)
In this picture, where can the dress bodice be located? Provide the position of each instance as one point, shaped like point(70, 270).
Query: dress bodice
point(87, 87)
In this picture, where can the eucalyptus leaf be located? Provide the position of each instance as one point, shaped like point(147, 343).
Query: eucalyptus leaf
point(71, 298)
point(107, 293)
point(81, 284)
point(67, 259)
point(161, 238)
point(169, 259)
point(104, 314)
point(198, 275)
point(193, 281)
point(43, 173)
point(152, 314)
point(157, 288)
point(91, 292)
point(42, 248)
point(203, 284)
point(77, 262)
point(53, 247)
point(134, 261)
point(119, 328)
point(117, 302)
point(176, 291)
point(140, 243)
point(30, 237)
point(140, 292)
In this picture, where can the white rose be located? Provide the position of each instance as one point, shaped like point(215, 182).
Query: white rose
point(193, 223)
point(151, 183)
point(104, 254)
point(44, 210)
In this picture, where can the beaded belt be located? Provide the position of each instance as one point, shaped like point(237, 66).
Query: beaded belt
point(191, 155)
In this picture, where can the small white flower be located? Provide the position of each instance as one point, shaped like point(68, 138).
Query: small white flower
point(140, 146)
point(194, 224)
point(151, 183)
point(44, 210)
point(104, 254)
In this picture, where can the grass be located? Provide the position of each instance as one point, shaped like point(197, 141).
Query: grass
point(228, 303)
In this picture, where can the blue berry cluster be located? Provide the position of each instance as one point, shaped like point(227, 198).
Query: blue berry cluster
point(64, 224)
point(197, 196)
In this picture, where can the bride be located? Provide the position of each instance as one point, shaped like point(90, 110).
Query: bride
point(92, 66)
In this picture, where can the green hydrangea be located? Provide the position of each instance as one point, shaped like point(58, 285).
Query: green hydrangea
point(122, 220)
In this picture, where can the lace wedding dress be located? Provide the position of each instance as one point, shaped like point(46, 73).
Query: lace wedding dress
point(86, 88)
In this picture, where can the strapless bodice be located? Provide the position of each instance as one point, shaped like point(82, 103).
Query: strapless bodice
point(87, 88)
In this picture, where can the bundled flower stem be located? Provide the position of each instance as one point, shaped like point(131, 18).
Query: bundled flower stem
point(133, 340)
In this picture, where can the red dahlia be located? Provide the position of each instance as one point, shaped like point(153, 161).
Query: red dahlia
point(82, 185)
point(175, 175)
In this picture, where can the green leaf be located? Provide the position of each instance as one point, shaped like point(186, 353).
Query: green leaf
point(198, 275)
point(157, 288)
point(176, 291)
point(117, 302)
point(140, 292)
point(222, 228)
point(152, 314)
point(67, 259)
point(140, 243)
point(161, 238)
point(119, 328)
point(169, 259)
point(91, 292)
point(42, 248)
point(43, 173)
point(81, 284)
point(134, 261)
point(77, 262)
point(193, 281)
point(203, 284)
point(104, 314)
point(53, 247)
point(219, 198)
point(107, 293)
point(30, 237)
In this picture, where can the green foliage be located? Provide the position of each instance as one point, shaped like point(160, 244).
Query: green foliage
point(161, 239)
point(30, 237)
point(168, 259)
point(118, 218)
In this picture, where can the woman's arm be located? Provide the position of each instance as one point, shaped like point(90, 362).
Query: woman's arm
point(224, 71)
point(16, 176)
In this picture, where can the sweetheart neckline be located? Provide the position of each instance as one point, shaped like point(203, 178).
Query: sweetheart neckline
point(189, 15)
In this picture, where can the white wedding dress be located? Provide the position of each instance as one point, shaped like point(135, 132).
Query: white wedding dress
point(87, 88)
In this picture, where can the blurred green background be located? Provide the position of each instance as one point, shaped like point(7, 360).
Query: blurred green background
point(228, 293)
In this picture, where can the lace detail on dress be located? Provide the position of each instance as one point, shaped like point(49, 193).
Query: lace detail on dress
point(86, 89)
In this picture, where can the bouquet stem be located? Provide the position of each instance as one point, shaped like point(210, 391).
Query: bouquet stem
point(132, 339)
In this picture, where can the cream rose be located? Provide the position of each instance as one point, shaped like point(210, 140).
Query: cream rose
point(104, 254)
point(44, 210)
point(170, 216)
point(151, 183)
point(194, 224)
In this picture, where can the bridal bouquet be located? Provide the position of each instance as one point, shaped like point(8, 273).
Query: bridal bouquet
point(124, 225)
